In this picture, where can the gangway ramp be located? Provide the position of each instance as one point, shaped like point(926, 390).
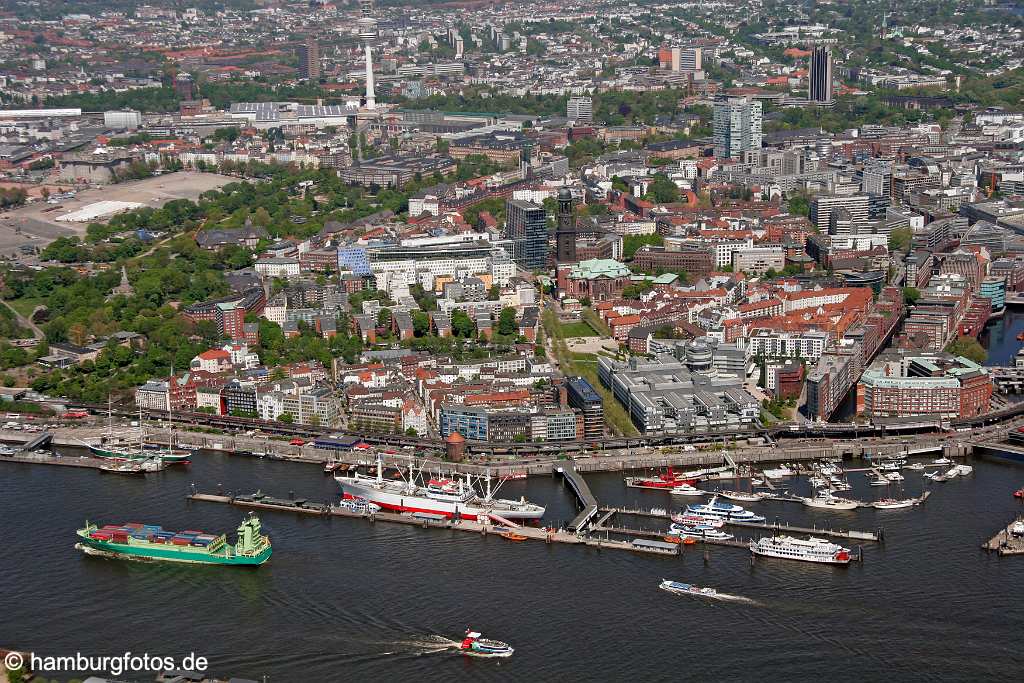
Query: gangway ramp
point(587, 501)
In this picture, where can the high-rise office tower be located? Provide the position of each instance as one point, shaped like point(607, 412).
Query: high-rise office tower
point(565, 229)
point(680, 58)
point(737, 127)
point(580, 109)
point(690, 59)
point(368, 34)
point(820, 76)
point(309, 60)
point(526, 224)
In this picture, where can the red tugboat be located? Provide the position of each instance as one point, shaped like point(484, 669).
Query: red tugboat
point(665, 481)
point(1019, 493)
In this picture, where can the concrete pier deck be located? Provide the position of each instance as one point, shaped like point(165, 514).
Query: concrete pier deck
point(1004, 542)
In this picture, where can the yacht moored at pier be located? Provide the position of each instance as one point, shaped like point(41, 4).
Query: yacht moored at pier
point(824, 500)
point(724, 511)
point(701, 531)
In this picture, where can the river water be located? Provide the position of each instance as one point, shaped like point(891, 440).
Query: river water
point(343, 599)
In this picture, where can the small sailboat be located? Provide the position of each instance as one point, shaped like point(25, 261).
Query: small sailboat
point(894, 504)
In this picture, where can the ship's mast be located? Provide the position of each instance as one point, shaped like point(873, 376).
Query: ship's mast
point(170, 407)
point(380, 469)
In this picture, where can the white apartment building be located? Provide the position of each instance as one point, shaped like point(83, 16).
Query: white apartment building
point(808, 345)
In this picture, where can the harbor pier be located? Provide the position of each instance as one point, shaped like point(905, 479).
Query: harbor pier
point(587, 501)
point(1005, 542)
point(775, 527)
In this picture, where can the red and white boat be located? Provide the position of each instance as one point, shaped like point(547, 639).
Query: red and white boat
point(449, 497)
point(687, 519)
point(664, 481)
point(1019, 493)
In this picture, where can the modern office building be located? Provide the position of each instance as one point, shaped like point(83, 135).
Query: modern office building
point(309, 60)
point(582, 396)
point(820, 76)
point(526, 225)
point(822, 207)
point(737, 127)
point(993, 287)
point(580, 109)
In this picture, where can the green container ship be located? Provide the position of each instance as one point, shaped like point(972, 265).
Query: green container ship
point(134, 541)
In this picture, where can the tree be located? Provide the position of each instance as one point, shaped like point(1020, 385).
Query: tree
point(969, 348)
point(900, 239)
point(420, 323)
point(384, 317)
point(799, 204)
point(632, 243)
point(286, 418)
point(662, 190)
point(911, 295)
point(507, 321)
point(494, 293)
point(462, 325)
point(411, 431)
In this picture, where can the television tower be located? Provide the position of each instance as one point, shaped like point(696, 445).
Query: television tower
point(368, 33)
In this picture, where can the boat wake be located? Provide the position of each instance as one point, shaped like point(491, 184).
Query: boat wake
point(424, 645)
point(711, 595)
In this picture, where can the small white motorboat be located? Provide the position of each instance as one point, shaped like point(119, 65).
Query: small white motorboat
point(894, 476)
point(942, 461)
point(917, 466)
point(778, 472)
point(686, 490)
point(741, 496)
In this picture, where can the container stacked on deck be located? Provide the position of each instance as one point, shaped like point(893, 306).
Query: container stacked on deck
point(151, 533)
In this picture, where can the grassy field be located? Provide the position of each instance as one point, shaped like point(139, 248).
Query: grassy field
point(26, 306)
point(592, 319)
point(614, 413)
point(577, 329)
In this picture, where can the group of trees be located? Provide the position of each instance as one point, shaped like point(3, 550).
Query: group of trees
point(969, 348)
point(12, 196)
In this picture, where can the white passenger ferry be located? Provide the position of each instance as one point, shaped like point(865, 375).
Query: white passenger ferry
point(810, 550)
